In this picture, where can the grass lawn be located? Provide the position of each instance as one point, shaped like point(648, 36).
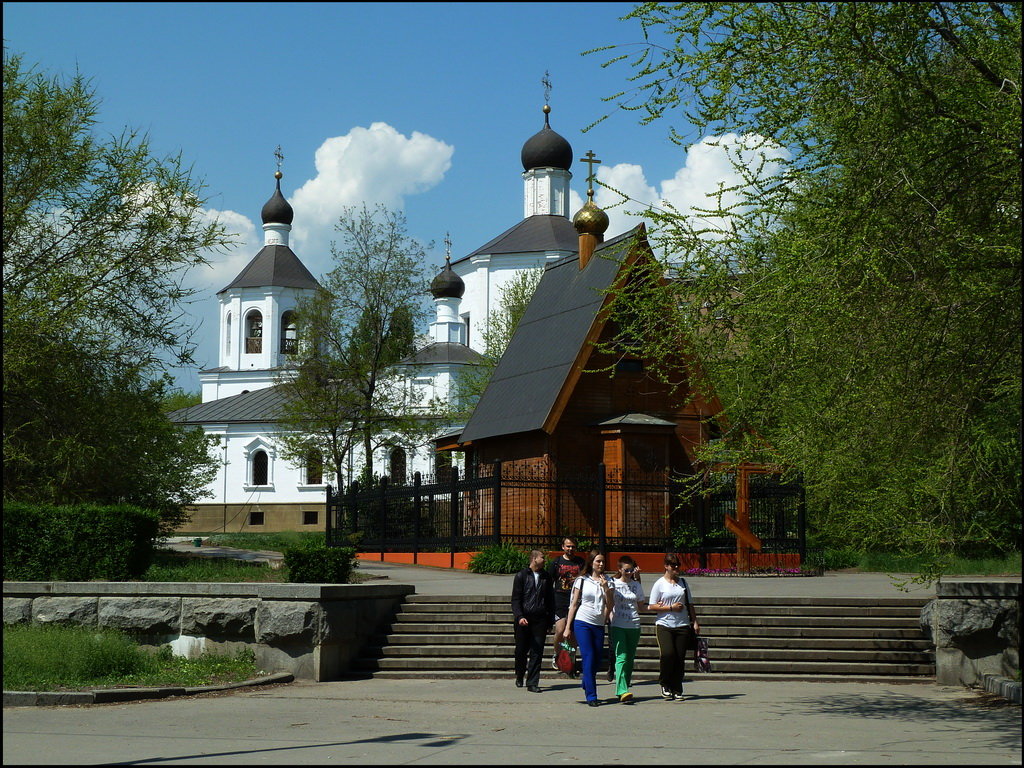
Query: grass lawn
point(56, 657)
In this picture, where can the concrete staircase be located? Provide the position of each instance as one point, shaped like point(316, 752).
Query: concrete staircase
point(783, 638)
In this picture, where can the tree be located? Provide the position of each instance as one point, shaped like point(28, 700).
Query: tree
point(859, 311)
point(346, 389)
point(97, 237)
point(513, 297)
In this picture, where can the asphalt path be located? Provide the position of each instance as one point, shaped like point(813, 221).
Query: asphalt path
point(491, 722)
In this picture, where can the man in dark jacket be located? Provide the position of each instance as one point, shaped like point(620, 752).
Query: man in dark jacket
point(533, 612)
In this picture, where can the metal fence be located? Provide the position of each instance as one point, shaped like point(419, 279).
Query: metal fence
point(531, 507)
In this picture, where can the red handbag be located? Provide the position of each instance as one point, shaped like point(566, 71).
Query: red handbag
point(565, 659)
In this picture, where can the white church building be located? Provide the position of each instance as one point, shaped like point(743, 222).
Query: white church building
point(256, 489)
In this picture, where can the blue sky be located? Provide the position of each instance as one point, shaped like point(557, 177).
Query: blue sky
point(424, 107)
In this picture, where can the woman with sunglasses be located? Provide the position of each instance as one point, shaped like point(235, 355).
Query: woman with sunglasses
point(676, 620)
point(624, 628)
point(589, 607)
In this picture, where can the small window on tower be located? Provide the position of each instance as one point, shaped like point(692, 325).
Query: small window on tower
point(254, 333)
point(465, 321)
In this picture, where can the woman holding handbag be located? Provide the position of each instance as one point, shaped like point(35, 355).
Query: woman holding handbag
point(675, 628)
point(589, 605)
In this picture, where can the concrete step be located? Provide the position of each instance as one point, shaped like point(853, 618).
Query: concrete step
point(750, 638)
point(507, 640)
point(866, 602)
point(720, 654)
point(641, 677)
point(647, 634)
point(495, 619)
point(704, 611)
point(446, 663)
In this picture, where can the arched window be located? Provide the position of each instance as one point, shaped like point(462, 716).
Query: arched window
point(289, 334)
point(227, 334)
point(396, 466)
point(260, 468)
point(314, 467)
point(254, 333)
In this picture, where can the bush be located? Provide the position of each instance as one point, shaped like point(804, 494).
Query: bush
point(77, 542)
point(830, 559)
point(316, 563)
point(499, 558)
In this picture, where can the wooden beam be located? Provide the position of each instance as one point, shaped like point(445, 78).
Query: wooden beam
point(745, 535)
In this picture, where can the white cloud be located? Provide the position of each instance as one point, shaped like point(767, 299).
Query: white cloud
point(708, 167)
point(367, 165)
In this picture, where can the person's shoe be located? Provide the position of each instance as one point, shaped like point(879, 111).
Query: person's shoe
point(594, 703)
point(519, 682)
point(534, 689)
point(611, 675)
point(667, 695)
point(626, 698)
point(679, 696)
point(554, 663)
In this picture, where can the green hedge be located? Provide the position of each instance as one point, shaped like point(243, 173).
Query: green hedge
point(81, 542)
point(316, 563)
point(499, 558)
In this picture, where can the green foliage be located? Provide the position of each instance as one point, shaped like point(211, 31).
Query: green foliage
point(77, 543)
point(176, 398)
point(685, 537)
point(56, 657)
point(179, 567)
point(348, 390)
point(499, 558)
point(854, 301)
point(316, 563)
point(277, 541)
point(97, 238)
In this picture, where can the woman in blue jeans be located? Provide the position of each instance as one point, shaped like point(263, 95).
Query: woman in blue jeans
point(589, 605)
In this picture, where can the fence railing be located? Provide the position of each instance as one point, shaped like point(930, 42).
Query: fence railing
point(532, 507)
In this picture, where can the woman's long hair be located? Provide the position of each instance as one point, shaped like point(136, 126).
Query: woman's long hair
point(589, 569)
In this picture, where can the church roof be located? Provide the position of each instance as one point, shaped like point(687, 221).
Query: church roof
point(443, 352)
point(550, 338)
point(274, 265)
point(532, 234)
point(261, 405)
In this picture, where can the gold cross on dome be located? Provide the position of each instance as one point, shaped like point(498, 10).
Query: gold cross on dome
point(591, 161)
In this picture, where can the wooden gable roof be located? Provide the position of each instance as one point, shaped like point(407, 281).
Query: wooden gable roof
point(551, 344)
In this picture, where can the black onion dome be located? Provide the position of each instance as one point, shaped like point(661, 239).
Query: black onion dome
point(546, 149)
point(447, 285)
point(277, 210)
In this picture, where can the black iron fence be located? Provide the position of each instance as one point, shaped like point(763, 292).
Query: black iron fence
point(531, 507)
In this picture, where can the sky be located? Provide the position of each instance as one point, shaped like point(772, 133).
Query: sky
point(423, 107)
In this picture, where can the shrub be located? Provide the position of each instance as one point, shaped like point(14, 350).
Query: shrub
point(316, 563)
point(499, 558)
point(77, 542)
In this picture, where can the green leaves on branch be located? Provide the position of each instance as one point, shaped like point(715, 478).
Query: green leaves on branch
point(859, 309)
point(98, 238)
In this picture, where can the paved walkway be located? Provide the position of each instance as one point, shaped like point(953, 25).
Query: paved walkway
point(466, 722)
point(488, 722)
point(442, 581)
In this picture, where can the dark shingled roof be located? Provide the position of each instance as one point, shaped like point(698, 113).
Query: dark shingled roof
point(524, 387)
point(259, 406)
point(534, 233)
point(443, 352)
point(274, 265)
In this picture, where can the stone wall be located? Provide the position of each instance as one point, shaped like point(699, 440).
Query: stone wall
point(312, 631)
point(975, 626)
